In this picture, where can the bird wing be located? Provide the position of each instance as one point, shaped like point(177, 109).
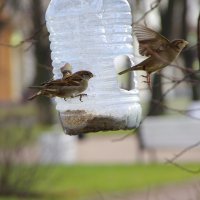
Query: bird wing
point(71, 80)
point(74, 80)
point(51, 90)
point(150, 42)
point(57, 82)
point(61, 82)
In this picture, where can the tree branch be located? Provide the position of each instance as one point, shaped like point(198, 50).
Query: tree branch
point(172, 160)
point(154, 5)
point(30, 39)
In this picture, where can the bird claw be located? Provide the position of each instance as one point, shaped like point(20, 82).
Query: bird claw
point(81, 95)
point(148, 80)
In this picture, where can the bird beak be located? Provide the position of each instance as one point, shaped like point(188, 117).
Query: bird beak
point(186, 43)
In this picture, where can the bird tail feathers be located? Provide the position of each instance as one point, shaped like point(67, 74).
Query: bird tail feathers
point(125, 71)
point(34, 96)
point(136, 67)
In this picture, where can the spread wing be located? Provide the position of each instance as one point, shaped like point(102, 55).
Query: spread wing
point(150, 42)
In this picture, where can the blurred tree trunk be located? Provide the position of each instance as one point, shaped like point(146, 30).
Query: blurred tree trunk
point(42, 57)
point(198, 39)
point(155, 107)
point(189, 54)
point(166, 24)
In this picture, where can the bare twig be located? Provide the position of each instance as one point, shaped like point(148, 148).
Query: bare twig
point(181, 153)
point(182, 68)
point(183, 112)
point(177, 82)
point(30, 39)
point(174, 86)
point(125, 136)
point(154, 5)
point(184, 151)
point(184, 168)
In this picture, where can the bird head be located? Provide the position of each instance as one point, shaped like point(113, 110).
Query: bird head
point(179, 44)
point(85, 74)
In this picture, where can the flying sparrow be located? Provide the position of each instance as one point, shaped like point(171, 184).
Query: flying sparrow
point(70, 87)
point(160, 51)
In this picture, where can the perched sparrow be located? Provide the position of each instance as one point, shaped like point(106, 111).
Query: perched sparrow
point(70, 87)
point(160, 51)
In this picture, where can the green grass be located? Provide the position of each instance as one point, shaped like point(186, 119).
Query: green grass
point(76, 182)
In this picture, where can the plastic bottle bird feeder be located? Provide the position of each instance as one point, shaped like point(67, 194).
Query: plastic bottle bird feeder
point(94, 35)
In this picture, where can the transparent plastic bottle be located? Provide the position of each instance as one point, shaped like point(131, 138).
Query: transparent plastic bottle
point(90, 34)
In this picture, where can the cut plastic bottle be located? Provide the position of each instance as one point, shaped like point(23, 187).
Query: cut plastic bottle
point(90, 34)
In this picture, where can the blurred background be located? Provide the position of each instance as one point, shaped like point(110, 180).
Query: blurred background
point(161, 158)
